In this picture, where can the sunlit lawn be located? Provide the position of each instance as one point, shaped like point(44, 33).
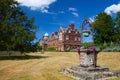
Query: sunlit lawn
point(36, 66)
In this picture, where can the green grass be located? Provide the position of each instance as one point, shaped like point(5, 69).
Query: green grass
point(36, 66)
point(115, 78)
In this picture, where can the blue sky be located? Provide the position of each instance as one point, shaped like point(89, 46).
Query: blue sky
point(51, 14)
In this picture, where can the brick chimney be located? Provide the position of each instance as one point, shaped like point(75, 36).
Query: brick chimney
point(71, 26)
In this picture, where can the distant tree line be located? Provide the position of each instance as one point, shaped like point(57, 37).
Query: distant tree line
point(17, 32)
point(107, 29)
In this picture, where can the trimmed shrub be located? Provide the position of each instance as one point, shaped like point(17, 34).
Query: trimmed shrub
point(52, 49)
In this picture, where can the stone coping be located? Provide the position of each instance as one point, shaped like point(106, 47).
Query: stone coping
point(90, 69)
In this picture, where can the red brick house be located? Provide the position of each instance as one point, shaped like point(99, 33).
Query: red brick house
point(65, 38)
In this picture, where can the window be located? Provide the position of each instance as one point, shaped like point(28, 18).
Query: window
point(60, 36)
point(75, 38)
point(69, 31)
point(79, 38)
point(76, 32)
point(67, 37)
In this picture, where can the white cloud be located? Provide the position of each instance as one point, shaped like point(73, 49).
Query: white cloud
point(113, 9)
point(62, 12)
point(72, 9)
point(75, 14)
point(41, 5)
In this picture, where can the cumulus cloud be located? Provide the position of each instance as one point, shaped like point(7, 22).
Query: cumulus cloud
point(41, 5)
point(75, 14)
point(72, 9)
point(113, 9)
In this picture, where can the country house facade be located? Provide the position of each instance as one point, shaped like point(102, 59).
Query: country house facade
point(64, 39)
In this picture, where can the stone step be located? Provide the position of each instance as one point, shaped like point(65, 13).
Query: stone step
point(85, 75)
point(75, 74)
point(89, 69)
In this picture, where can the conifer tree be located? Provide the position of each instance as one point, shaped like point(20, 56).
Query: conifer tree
point(16, 31)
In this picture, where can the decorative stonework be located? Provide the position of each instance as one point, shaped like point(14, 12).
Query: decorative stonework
point(86, 60)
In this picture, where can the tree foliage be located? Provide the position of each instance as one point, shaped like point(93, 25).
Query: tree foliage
point(117, 28)
point(107, 29)
point(103, 28)
point(16, 31)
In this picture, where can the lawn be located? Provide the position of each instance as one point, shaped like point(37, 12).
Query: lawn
point(36, 66)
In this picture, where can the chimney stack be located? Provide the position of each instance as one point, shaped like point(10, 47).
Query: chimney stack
point(71, 26)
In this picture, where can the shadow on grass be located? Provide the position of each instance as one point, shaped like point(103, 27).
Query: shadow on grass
point(24, 57)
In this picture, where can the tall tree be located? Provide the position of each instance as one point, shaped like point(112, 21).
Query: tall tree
point(103, 28)
point(16, 31)
point(117, 29)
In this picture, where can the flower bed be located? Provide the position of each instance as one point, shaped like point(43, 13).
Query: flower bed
point(87, 54)
point(89, 48)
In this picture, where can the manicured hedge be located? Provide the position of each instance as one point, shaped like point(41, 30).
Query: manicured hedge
point(52, 49)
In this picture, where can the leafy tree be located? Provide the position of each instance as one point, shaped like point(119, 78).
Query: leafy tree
point(16, 31)
point(103, 28)
point(117, 29)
